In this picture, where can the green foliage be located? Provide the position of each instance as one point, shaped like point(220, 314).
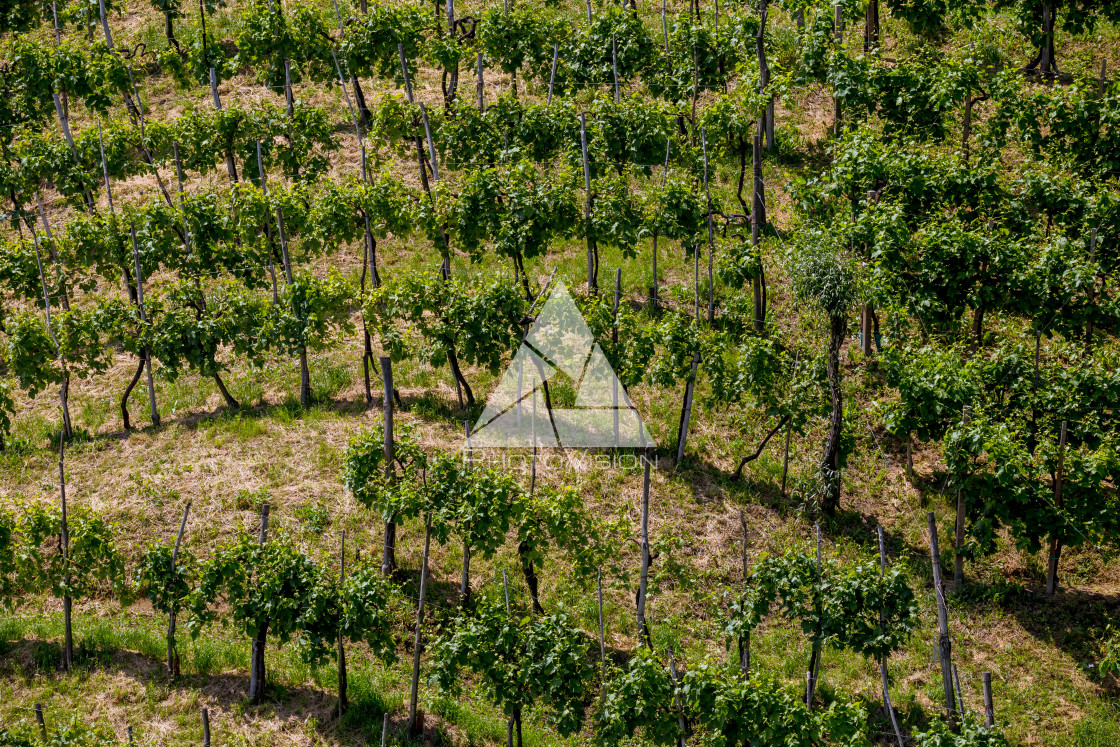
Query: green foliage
point(639, 701)
point(93, 563)
point(364, 472)
point(519, 661)
point(737, 710)
point(972, 734)
point(556, 517)
point(168, 586)
point(478, 506)
point(480, 322)
point(521, 36)
point(358, 609)
point(1110, 656)
point(369, 47)
point(823, 276)
point(851, 608)
point(267, 588)
point(8, 567)
point(933, 388)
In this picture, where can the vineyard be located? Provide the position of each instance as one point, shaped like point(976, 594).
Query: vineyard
point(266, 267)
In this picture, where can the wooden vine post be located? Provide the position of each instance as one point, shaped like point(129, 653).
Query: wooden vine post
point(944, 646)
point(654, 287)
point(766, 122)
point(958, 537)
point(883, 660)
point(416, 725)
point(643, 626)
point(64, 388)
point(205, 727)
point(867, 314)
point(424, 164)
point(1093, 285)
point(682, 724)
point(614, 339)
point(231, 166)
point(172, 649)
point(341, 648)
point(838, 29)
point(552, 75)
point(815, 656)
point(267, 230)
point(614, 67)
point(871, 28)
point(304, 369)
point(592, 251)
point(758, 226)
point(745, 638)
point(481, 89)
point(389, 551)
point(145, 354)
point(602, 640)
point(67, 602)
point(64, 122)
point(256, 668)
point(41, 721)
point(711, 240)
point(989, 708)
point(1056, 542)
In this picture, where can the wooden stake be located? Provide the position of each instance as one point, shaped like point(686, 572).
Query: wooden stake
point(602, 640)
point(42, 723)
point(404, 72)
point(104, 167)
point(910, 456)
point(384, 730)
point(838, 27)
point(960, 693)
point(989, 708)
point(944, 646)
point(552, 75)
point(105, 24)
point(758, 225)
point(145, 353)
point(614, 67)
point(958, 544)
point(643, 627)
point(231, 167)
point(289, 98)
point(592, 279)
point(883, 661)
point(815, 657)
point(415, 727)
point(342, 682)
point(1056, 542)
point(353, 114)
point(681, 723)
point(63, 392)
point(205, 727)
point(711, 244)
point(389, 552)
point(431, 147)
point(481, 98)
point(267, 224)
point(256, 664)
point(686, 410)
point(172, 654)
